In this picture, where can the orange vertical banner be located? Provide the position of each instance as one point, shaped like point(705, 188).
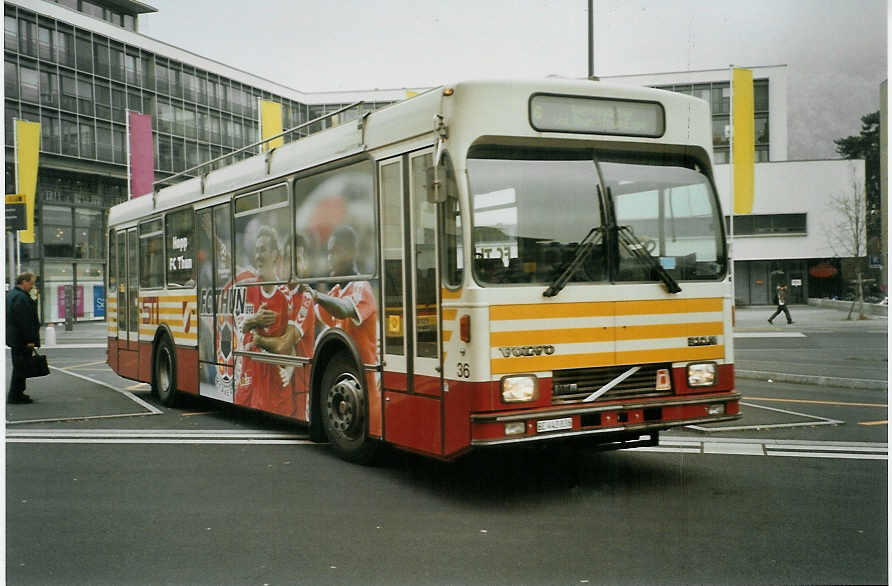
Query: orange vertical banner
point(743, 135)
point(27, 152)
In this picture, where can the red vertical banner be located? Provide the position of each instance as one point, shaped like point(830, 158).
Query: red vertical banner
point(142, 154)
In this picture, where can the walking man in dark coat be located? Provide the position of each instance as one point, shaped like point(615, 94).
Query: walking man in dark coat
point(22, 333)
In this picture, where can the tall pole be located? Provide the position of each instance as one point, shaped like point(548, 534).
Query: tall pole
point(591, 40)
point(731, 186)
point(10, 257)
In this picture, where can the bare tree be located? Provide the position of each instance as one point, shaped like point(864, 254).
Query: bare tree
point(847, 235)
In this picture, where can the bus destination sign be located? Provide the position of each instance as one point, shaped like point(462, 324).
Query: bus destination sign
point(552, 113)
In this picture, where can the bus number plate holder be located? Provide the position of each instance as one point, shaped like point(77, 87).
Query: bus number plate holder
point(545, 425)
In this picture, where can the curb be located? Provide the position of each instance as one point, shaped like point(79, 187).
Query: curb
point(807, 379)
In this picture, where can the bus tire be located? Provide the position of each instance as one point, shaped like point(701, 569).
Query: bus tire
point(164, 373)
point(344, 410)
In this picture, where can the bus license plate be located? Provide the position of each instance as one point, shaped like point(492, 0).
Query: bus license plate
point(554, 424)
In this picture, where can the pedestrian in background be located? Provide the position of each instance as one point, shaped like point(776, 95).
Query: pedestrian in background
point(781, 300)
point(22, 333)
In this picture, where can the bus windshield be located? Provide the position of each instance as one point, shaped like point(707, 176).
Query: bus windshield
point(533, 210)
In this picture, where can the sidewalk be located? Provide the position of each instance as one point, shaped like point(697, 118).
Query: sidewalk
point(833, 351)
point(85, 332)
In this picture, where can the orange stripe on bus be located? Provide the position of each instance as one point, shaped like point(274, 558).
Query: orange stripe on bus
point(450, 294)
point(449, 314)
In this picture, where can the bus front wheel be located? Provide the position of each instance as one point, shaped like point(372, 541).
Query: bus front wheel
point(344, 409)
point(164, 377)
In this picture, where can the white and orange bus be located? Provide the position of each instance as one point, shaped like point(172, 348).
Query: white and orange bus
point(487, 263)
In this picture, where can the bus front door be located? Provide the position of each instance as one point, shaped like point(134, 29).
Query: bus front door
point(412, 377)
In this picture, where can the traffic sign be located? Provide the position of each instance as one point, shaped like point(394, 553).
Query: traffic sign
point(15, 212)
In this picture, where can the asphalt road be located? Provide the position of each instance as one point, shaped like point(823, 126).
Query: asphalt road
point(105, 486)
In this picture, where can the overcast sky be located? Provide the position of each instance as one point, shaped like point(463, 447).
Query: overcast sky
point(836, 50)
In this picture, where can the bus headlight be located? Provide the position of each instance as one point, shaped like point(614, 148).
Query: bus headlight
point(519, 389)
point(701, 374)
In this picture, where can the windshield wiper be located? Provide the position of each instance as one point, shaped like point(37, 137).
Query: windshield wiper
point(637, 249)
point(582, 251)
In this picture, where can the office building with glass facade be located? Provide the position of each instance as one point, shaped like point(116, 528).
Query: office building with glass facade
point(77, 67)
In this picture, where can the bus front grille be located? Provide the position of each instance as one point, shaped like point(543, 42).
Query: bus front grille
point(573, 385)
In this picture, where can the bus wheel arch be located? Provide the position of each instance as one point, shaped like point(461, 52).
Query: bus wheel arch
point(340, 410)
point(164, 368)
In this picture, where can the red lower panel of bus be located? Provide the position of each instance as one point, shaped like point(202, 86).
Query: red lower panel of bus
point(187, 370)
point(128, 363)
point(137, 364)
point(112, 353)
point(413, 421)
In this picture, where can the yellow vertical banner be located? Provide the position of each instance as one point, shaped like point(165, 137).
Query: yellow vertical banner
point(271, 124)
point(27, 150)
point(743, 136)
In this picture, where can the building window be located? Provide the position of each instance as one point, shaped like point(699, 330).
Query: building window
point(88, 241)
point(84, 54)
point(131, 68)
point(11, 75)
point(51, 137)
point(49, 89)
point(27, 38)
point(84, 97)
point(69, 136)
point(28, 84)
point(10, 31)
point(57, 231)
point(91, 9)
point(100, 56)
point(117, 63)
point(88, 141)
point(65, 48)
point(768, 224)
point(45, 44)
point(103, 142)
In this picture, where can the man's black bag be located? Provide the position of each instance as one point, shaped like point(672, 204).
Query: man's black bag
point(36, 365)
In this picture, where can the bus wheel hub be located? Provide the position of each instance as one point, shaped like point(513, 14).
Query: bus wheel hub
point(345, 406)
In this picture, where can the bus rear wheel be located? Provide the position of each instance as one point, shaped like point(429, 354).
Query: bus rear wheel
point(344, 409)
point(164, 375)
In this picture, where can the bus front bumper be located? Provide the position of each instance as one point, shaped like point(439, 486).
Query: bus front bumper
point(602, 423)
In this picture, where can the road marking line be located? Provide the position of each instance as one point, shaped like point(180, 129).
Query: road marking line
point(769, 335)
point(177, 441)
point(822, 448)
point(736, 449)
point(814, 402)
point(884, 422)
point(63, 346)
point(148, 436)
point(788, 448)
point(815, 421)
point(831, 455)
point(85, 364)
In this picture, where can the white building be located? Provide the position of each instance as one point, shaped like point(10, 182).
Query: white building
point(793, 233)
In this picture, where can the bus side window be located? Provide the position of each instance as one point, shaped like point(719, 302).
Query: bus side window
point(179, 242)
